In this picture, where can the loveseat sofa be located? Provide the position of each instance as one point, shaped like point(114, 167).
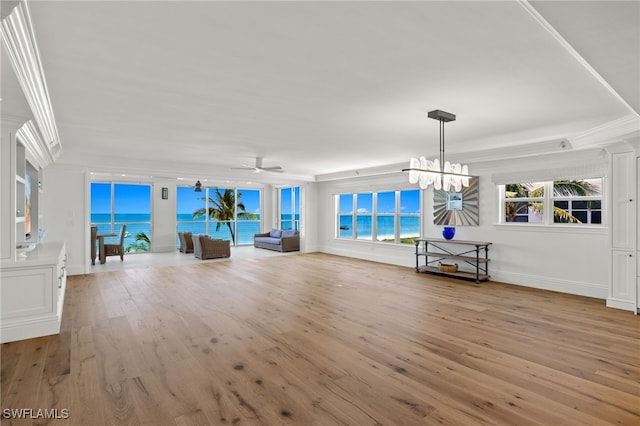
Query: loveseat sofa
point(278, 239)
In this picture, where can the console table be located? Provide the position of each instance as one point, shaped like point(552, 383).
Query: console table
point(473, 255)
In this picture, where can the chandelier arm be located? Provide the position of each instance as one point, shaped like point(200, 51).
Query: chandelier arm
point(442, 173)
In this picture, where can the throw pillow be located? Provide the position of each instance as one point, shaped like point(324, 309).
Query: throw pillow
point(288, 232)
point(275, 233)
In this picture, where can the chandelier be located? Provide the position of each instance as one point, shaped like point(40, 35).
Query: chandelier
point(439, 173)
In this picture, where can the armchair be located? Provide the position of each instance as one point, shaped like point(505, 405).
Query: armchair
point(208, 248)
point(186, 242)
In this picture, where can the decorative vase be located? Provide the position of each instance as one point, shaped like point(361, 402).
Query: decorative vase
point(448, 232)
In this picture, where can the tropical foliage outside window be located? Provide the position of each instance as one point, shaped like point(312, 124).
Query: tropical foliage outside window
point(227, 213)
point(566, 201)
point(388, 217)
point(117, 204)
point(290, 208)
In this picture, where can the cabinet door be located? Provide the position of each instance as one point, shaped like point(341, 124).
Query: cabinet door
point(623, 279)
point(623, 215)
point(27, 292)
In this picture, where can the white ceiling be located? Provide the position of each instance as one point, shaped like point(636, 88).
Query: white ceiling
point(323, 87)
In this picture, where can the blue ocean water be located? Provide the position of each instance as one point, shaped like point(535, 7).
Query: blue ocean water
point(140, 223)
point(409, 227)
point(246, 228)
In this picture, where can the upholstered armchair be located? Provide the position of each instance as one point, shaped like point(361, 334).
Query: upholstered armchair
point(186, 242)
point(116, 249)
point(208, 248)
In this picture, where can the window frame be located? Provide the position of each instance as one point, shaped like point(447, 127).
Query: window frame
point(548, 202)
point(295, 206)
point(209, 223)
point(397, 215)
point(114, 224)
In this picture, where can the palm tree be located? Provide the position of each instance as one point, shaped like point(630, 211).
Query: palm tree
point(222, 209)
point(143, 243)
point(561, 188)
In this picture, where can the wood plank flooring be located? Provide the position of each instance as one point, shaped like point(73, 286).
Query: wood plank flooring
point(315, 339)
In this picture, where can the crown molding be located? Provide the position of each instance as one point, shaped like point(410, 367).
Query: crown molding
point(624, 129)
point(29, 136)
point(20, 42)
point(573, 52)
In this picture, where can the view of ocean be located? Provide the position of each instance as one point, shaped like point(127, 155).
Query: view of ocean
point(141, 223)
point(409, 227)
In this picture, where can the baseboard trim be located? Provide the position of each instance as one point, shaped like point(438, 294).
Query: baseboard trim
point(397, 255)
point(626, 305)
point(27, 329)
point(578, 288)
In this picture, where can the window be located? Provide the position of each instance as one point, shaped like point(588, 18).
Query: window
point(117, 204)
point(290, 208)
point(188, 203)
point(524, 202)
point(409, 215)
point(387, 217)
point(345, 216)
point(554, 202)
point(364, 216)
point(248, 218)
point(577, 201)
point(227, 213)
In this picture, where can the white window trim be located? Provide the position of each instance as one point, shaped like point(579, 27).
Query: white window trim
point(374, 215)
point(548, 200)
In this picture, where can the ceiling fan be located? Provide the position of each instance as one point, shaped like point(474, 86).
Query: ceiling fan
point(258, 167)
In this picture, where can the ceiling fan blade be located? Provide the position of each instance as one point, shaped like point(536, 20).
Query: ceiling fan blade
point(258, 167)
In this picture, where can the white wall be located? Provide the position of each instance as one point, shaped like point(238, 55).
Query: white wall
point(65, 213)
point(163, 234)
point(567, 259)
point(309, 206)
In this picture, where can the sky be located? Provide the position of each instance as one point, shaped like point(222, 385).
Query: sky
point(133, 198)
point(129, 198)
point(190, 201)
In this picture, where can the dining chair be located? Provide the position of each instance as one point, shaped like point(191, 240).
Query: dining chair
point(94, 241)
point(116, 249)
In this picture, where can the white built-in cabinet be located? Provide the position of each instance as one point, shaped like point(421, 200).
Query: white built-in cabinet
point(32, 284)
point(623, 291)
point(32, 293)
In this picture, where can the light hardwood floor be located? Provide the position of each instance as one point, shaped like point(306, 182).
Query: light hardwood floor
point(315, 339)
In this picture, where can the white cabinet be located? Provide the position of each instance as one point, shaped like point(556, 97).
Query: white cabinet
point(624, 280)
point(623, 203)
point(32, 293)
point(622, 294)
